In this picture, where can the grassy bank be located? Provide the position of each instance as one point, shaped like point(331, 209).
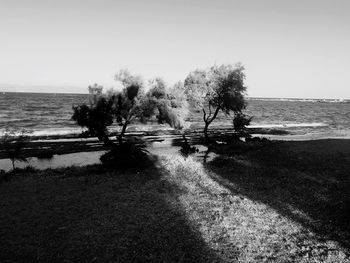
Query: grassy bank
point(283, 202)
point(94, 215)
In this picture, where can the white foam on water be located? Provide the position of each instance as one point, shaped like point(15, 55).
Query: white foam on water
point(299, 100)
point(60, 131)
point(44, 132)
point(75, 131)
point(289, 125)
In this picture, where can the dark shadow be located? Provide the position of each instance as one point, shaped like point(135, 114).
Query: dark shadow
point(205, 157)
point(308, 182)
point(129, 154)
point(96, 214)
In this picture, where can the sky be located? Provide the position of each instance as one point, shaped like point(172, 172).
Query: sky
point(294, 49)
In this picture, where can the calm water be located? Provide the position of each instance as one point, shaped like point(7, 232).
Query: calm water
point(49, 114)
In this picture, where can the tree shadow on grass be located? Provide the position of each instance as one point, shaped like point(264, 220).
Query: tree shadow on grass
point(306, 181)
point(95, 214)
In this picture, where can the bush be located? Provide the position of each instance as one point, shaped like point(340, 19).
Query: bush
point(240, 123)
point(186, 149)
point(257, 139)
point(127, 155)
point(45, 155)
point(13, 145)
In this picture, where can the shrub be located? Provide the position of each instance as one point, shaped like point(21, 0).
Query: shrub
point(13, 145)
point(127, 155)
point(240, 123)
point(45, 155)
point(186, 149)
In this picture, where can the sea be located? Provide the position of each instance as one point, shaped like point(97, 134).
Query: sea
point(49, 114)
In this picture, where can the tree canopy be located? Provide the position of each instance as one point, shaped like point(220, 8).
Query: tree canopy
point(95, 89)
point(132, 102)
point(219, 88)
point(95, 116)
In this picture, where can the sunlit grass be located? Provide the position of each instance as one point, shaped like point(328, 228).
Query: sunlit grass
point(238, 228)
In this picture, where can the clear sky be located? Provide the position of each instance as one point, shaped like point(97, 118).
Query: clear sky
point(298, 48)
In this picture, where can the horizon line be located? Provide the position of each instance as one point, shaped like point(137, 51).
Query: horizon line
point(248, 97)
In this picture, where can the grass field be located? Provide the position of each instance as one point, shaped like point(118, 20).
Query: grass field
point(284, 202)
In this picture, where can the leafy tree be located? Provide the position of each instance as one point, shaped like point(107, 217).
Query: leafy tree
point(128, 102)
point(96, 116)
point(221, 88)
point(169, 105)
point(160, 102)
point(179, 107)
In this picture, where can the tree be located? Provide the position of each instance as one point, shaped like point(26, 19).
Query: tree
point(128, 102)
point(133, 103)
point(167, 105)
point(97, 115)
point(221, 88)
point(180, 108)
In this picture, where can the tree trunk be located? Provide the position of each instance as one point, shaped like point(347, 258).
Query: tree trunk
point(184, 137)
point(206, 131)
point(106, 140)
point(13, 163)
point(103, 137)
point(121, 135)
point(208, 121)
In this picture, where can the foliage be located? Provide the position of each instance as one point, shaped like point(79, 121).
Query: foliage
point(45, 155)
point(13, 144)
point(95, 89)
point(197, 87)
point(127, 155)
point(95, 116)
point(240, 123)
point(168, 105)
point(221, 88)
point(132, 102)
point(103, 109)
point(186, 149)
point(128, 103)
point(127, 79)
